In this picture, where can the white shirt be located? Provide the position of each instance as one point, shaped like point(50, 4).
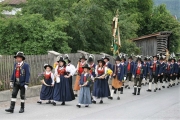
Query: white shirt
point(71, 69)
point(118, 64)
point(20, 64)
point(52, 76)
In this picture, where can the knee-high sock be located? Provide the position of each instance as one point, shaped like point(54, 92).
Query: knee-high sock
point(94, 98)
point(156, 85)
point(163, 83)
point(150, 85)
point(118, 93)
point(112, 92)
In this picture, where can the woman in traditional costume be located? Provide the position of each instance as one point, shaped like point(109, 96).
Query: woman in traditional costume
point(62, 91)
point(101, 87)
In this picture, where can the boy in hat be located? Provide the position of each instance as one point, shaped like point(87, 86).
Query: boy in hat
point(168, 70)
point(146, 65)
point(85, 82)
point(130, 68)
point(178, 76)
point(118, 76)
point(47, 86)
point(139, 73)
point(154, 65)
point(19, 81)
point(79, 70)
point(124, 65)
point(174, 73)
point(162, 67)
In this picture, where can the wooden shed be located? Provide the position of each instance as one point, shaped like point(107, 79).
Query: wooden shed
point(153, 44)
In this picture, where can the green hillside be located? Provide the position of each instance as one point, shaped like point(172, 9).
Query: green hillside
point(172, 5)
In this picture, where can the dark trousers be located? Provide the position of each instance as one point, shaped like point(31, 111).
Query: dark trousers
point(129, 76)
point(155, 78)
point(173, 77)
point(178, 76)
point(160, 78)
point(167, 77)
point(137, 81)
point(16, 89)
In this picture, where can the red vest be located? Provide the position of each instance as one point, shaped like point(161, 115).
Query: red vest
point(154, 67)
point(17, 71)
point(138, 71)
point(80, 68)
point(129, 66)
point(47, 76)
point(100, 72)
point(62, 71)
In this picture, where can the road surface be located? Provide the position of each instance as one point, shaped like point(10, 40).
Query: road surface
point(162, 105)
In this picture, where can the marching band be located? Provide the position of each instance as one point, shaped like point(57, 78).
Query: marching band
point(92, 79)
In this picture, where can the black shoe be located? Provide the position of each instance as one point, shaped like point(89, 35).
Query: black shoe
point(75, 95)
point(142, 84)
point(21, 110)
point(115, 91)
point(79, 106)
point(11, 109)
point(135, 89)
point(54, 103)
point(173, 84)
point(159, 88)
point(148, 90)
point(101, 102)
point(168, 86)
point(121, 92)
point(163, 86)
point(49, 102)
point(110, 97)
point(118, 98)
point(126, 86)
point(139, 89)
point(94, 102)
point(63, 103)
point(40, 102)
point(154, 90)
point(86, 105)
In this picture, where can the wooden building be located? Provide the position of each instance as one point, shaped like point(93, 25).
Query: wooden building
point(154, 43)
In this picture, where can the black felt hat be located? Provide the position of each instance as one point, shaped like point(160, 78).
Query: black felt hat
point(47, 65)
point(86, 66)
point(101, 60)
point(20, 54)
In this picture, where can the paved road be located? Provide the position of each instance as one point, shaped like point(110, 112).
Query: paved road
point(162, 105)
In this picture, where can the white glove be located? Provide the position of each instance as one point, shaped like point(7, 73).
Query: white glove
point(26, 87)
point(124, 78)
point(11, 84)
point(144, 79)
point(133, 76)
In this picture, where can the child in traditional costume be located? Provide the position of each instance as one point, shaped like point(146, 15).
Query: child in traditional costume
point(118, 76)
point(47, 86)
point(85, 82)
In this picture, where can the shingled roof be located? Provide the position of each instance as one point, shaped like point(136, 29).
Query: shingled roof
point(14, 2)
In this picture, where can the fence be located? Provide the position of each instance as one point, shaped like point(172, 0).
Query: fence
point(36, 63)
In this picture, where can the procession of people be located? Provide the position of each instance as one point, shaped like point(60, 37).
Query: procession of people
point(93, 77)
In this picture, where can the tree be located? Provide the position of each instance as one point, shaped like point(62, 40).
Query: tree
point(33, 35)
